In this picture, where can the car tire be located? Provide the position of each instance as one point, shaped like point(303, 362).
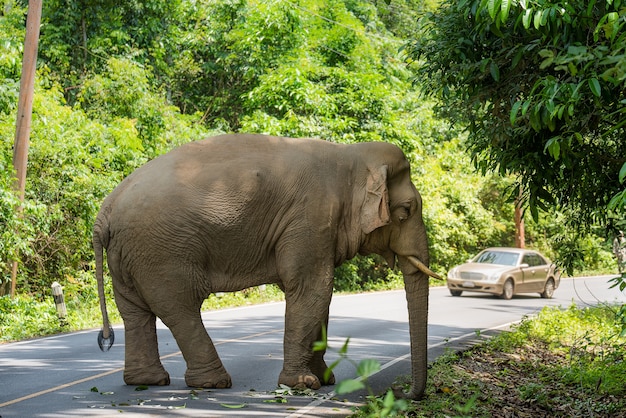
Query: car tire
point(456, 292)
point(548, 290)
point(507, 290)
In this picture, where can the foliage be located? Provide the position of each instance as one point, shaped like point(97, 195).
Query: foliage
point(79, 36)
point(37, 316)
point(564, 362)
point(620, 282)
point(122, 82)
point(364, 274)
point(540, 87)
point(250, 296)
point(385, 407)
point(227, 47)
point(74, 161)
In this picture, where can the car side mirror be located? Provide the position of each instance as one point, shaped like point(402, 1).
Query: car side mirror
point(523, 265)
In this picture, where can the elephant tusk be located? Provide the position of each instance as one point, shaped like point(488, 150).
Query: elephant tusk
point(422, 267)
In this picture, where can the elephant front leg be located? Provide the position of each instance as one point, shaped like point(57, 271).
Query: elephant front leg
point(318, 365)
point(204, 367)
point(304, 317)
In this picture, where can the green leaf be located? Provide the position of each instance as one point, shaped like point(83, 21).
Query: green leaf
point(367, 367)
point(323, 344)
point(546, 53)
point(622, 173)
point(330, 368)
point(493, 6)
point(344, 348)
point(349, 386)
point(553, 146)
point(618, 200)
point(504, 10)
point(494, 70)
point(389, 399)
point(319, 346)
point(277, 399)
point(526, 18)
point(234, 406)
point(537, 19)
point(516, 106)
point(594, 85)
point(517, 58)
point(546, 63)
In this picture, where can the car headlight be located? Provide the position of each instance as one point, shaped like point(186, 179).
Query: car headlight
point(494, 277)
point(453, 274)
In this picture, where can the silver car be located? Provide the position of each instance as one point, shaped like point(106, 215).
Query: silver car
point(505, 272)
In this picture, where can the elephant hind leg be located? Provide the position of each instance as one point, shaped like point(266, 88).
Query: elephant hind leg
point(143, 365)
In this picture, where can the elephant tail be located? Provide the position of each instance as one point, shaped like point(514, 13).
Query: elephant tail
point(106, 337)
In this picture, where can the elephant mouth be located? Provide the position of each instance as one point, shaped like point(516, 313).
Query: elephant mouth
point(415, 262)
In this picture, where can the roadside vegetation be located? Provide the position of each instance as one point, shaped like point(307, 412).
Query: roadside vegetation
point(121, 82)
point(565, 362)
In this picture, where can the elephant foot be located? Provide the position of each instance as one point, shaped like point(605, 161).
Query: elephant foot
point(219, 379)
point(300, 381)
point(325, 376)
point(146, 378)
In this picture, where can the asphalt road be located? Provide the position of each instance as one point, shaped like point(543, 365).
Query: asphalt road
point(67, 375)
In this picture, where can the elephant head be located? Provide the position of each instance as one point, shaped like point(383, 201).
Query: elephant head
point(392, 226)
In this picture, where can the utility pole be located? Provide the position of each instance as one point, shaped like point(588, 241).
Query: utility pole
point(25, 108)
point(520, 239)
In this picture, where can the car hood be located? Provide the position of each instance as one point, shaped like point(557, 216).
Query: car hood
point(483, 268)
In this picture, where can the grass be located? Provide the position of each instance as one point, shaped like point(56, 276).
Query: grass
point(563, 363)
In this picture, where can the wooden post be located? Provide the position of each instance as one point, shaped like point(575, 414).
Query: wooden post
point(25, 108)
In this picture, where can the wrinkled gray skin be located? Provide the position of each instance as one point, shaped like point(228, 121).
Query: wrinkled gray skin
point(236, 211)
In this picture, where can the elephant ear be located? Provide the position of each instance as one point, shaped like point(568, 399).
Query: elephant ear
point(375, 210)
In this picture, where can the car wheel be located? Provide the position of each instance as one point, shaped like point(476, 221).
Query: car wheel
point(507, 290)
point(456, 292)
point(548, 291)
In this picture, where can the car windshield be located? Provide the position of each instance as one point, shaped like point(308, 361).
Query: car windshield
point(497, 257)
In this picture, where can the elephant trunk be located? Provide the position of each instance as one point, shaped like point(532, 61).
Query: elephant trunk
point(416, 285)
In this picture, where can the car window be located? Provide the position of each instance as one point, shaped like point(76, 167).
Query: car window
point(497, 257)
point(528, 259)
point(533, 260)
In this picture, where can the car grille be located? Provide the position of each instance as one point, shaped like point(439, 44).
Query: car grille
point(466, 275)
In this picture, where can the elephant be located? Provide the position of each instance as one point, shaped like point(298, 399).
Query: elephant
point(240, 210)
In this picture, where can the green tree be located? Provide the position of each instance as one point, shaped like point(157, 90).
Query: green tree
point(122, 83)
point(541, 87)
point(79, 36)
point(226, 47)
